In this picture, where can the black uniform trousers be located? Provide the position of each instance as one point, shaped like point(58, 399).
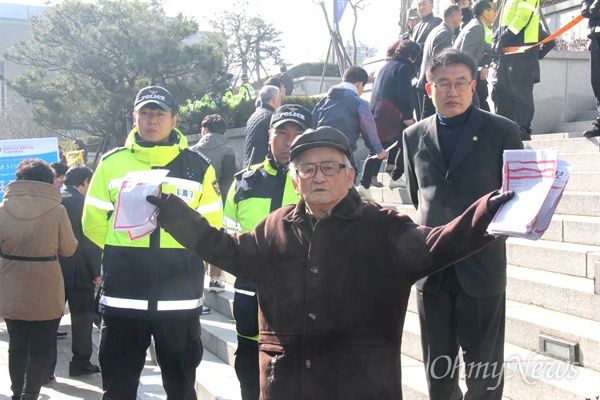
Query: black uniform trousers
point(123, 345)
point(482, 93)
point(29, 354)
point(476, 324)
point(595, 67)
point(513, 91)
point(246, 368)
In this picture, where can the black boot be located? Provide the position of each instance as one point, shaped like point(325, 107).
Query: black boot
point(595, 131)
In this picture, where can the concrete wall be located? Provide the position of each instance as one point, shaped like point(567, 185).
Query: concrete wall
point(310, 85)
point(559, 15)
point(564, 90)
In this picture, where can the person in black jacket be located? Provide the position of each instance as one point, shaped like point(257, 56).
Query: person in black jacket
point(420, 33)
point(591, 10)
point(257, 127)
point(392, 108)
point(81, 272)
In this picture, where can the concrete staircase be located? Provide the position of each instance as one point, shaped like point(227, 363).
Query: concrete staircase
point(550, 292)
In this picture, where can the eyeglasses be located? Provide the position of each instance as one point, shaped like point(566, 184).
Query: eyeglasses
point(328, 168)
point(445, 87)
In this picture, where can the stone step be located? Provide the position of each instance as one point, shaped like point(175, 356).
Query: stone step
point(579, 203)
point(559, 257)
point(557, 292)
point(219, 336)
point(586, 161)
point(576, 144)
point(221, 302)
point(216, 380)
point(584, 181)
point(574, 229)
point(524, 324)
point(528, 374)
point(572, 127)
point(586, 116)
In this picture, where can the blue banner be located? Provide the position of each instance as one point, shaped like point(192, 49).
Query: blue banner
point(340, 6)
point(12, 152)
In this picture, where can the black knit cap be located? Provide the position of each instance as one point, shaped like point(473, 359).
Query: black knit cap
point(324, 136)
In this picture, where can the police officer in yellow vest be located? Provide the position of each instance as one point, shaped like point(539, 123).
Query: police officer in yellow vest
point(246, 90)
point(256, 192)
point(517, 72)
point(151, 287)
point(228, 97)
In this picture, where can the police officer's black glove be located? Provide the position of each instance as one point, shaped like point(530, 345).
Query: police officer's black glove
point(497, 200)
point(159, 202)
point(503, 41)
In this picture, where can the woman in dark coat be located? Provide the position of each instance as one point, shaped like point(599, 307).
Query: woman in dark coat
point(391, 104)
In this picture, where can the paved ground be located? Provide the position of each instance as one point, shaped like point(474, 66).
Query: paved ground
point(84, 387)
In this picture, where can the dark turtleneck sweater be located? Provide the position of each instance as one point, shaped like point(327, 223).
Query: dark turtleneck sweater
point(449, 131)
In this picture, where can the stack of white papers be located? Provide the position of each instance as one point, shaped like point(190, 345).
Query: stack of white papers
point(538, 179)
point(132, 212)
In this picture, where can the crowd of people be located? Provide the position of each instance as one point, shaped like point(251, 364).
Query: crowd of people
point(301, 238)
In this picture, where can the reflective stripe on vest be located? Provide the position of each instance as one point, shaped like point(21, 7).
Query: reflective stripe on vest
point(163, 305)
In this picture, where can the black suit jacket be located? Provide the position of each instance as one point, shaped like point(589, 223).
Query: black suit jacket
point(83, 267)
point(442, 192)
point(421, 31)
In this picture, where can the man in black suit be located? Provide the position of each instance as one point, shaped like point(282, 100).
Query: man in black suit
point(453, 158)
point(81, 272)
point(419, 34)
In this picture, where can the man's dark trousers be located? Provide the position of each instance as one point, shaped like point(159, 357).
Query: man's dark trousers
point(123, 353)
point(81, 307)
point(595, 66)
point(478, 320)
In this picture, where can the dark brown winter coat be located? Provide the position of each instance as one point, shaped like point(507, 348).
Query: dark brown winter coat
point(333, 300)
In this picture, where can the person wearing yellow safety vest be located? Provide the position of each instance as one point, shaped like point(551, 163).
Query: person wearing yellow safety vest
point(152, 287)
point(246, 92)
point(472, 40)
point(517, 72)
point(256, 192)
point(228, 97)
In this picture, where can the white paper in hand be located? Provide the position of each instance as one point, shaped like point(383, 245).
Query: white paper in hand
point(538, 179)
point(132, 212)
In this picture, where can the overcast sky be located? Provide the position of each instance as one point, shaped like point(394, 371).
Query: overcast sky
point(304, 31)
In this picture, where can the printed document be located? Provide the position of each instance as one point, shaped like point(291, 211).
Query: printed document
point(538, 178)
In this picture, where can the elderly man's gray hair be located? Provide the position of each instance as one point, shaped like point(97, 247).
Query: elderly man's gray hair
point(268, 93)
